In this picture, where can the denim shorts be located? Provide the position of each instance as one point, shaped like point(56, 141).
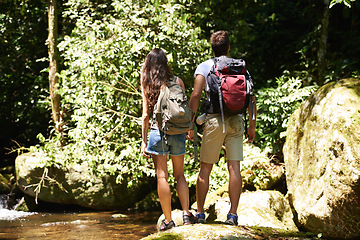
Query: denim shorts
point(164, 144)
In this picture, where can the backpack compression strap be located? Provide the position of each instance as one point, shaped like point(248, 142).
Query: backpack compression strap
point(219, 75)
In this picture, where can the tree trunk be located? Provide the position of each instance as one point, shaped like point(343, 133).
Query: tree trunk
point(53, 63)
point(321, 53)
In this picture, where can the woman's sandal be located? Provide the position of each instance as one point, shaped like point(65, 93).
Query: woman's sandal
point(188, 219)
point(165, 226)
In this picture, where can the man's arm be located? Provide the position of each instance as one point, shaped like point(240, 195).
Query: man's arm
point(195, 98)
point(252, 120)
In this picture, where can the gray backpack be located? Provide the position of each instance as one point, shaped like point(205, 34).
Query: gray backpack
point(171, 111)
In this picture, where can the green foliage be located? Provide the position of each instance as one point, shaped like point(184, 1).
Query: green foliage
point(253, 169)
point(345, 2)
point(267, 34)
point(100, 87)
point(275, 106)
point(23, 86)
point(219, 175)
point(356, 74)
point(103, 54)
point(272, 35)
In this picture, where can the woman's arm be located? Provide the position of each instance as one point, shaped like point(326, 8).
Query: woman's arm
point(145, 118)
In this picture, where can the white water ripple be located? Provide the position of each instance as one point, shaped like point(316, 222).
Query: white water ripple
point(8, 215)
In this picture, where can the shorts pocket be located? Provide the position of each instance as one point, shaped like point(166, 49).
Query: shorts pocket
point(155, 138)
point(236, 123)
point(211, 124)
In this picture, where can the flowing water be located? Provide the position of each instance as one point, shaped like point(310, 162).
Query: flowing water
point(76, 225)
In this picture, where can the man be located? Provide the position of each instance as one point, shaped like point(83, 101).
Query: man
point(214, 137)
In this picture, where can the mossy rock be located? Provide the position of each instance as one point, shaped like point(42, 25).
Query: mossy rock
point(75, 185)
point(322, 160)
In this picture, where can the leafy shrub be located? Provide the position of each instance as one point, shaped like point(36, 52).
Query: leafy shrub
point(275, 106)
point(100, 87)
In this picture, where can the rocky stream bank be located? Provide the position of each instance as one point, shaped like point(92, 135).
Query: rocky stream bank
point(321, 170)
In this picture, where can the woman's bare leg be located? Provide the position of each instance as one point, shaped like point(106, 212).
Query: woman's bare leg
point(163, 188)
point(182, 187)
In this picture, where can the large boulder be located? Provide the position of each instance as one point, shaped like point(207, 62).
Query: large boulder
point(75, 185)
point(322, 160)
point(265, 209)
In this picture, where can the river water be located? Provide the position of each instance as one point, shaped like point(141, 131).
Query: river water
point(76, 225)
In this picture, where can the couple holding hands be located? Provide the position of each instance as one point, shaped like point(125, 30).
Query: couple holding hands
point(155, 73)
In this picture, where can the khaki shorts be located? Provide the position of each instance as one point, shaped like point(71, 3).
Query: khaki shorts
point(214, 138)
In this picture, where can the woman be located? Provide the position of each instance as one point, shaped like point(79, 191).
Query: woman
point(154, 75)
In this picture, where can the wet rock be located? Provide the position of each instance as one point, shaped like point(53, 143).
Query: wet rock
point(118, 215)
point(74, 185)
point(322, 160)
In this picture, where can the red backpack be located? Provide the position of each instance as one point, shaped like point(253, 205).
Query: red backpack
point(230, 87)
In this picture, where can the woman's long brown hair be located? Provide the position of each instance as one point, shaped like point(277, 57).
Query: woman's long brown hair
point(154, 75)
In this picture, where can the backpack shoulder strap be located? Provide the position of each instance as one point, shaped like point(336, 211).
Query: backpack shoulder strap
point(158, 105)
point(172, 80)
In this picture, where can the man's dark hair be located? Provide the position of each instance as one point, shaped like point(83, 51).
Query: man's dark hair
point(220, 43)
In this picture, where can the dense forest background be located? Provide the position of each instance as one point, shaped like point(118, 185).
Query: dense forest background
point(291, 48)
